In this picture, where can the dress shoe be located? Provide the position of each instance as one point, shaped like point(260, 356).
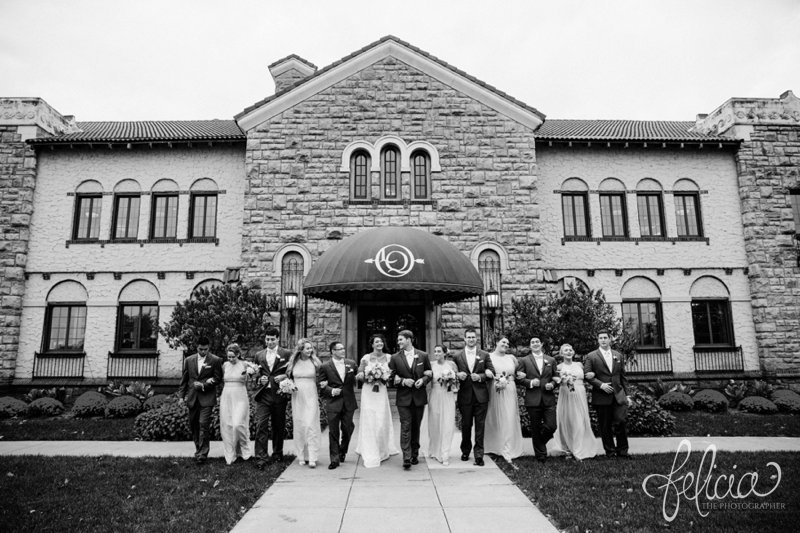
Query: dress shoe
point(342, 457)
point(200, 460)
point(541, 459)
point(465, 457)
point(625, 456)
point(261, 465)
point(479, 461)
point(312, 464)
point(414, 460)
point(277, 457)
point(333, 466)
point(406, 465)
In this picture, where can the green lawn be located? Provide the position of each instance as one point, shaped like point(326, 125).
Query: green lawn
point(104, 494)
point(607, 495)
point(736, 423)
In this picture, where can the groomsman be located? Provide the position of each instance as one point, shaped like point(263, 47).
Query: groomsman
point(539, 381)
point(475, 370)
point(337, 379)
point(202, 372)
point(409, 367)
point(609, 394)
point(270, 404)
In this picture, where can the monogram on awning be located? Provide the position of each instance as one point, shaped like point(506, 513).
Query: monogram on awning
point(393, 259)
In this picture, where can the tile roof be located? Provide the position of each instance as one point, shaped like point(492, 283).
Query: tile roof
point(410, 47)
point(623, 130)
point(148, 131)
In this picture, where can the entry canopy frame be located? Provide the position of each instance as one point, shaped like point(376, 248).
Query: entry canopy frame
point(390, 259)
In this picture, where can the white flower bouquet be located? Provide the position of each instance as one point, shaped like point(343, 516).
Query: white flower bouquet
point(501, 381)
point(377, 374)
point(287, 387)
point(449, 380)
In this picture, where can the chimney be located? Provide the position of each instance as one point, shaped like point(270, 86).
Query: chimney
point(289, 71)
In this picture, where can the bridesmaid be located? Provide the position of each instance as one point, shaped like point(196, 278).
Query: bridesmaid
point(442, 405)
point(234, 407)
point(574, 428)
point(302, 368)
point(503, 427)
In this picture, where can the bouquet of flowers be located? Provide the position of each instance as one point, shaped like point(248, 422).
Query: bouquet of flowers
point(287, 387)
point(377, 374)
point(250, 368)
point(567, 378)
point(501, 381)
point(448, 379)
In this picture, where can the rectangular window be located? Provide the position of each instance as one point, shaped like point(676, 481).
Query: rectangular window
point(65, 327)
point(203, 216)
point(643, 320)
point(613, 215)
point(687, 214)
point(126, 217)
point(138, 327)
point(87, 217)
point(576, 214)
point(164, 219)
point(651, 217)
point(711, 322)
point(794, 197)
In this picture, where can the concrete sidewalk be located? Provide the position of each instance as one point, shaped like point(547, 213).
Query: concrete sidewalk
point(354, 499)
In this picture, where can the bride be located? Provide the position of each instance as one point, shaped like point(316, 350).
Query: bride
point(375, 428)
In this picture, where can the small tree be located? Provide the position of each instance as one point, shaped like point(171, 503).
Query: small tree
point(573, 317)
point(225, 313)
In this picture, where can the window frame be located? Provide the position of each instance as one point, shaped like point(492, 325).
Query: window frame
point(794, 203)
point(639, 333)
point(354, 168)
point(623, 204)
point(391, 149)
point(678, 196)
point(48, 327)
point(156, 196)
point(415, 185)
point(118, 335)
point(115, 215)
point(728, 325)
point(587, 219)
point(79, 198)
point(194, 196)
point(649, 218)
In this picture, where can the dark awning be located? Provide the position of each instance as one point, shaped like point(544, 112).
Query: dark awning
point(393, 259)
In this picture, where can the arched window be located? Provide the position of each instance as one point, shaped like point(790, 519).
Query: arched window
point(291, 294)
point(164, 210)
point(65, 318)
point(613, 209)
point(711, 313)
point(651, 209)
point(390, 172)
point(688, 221)
point(359, 175)
point(137, 318)
point(489, 269)
point(641, 312)
point(575, 209)
point(127, 195)
point(88, 202)
point(421, 170)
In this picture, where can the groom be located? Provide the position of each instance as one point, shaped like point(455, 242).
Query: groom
point(202, 372)
point(408, 367)
point(270, 404)
point(539, 381)
point(337, 379)
point(475, 370)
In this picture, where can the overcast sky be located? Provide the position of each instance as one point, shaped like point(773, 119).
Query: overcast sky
point(201, 59)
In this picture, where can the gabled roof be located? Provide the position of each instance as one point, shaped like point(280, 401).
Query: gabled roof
point(385, 47)
point(624, 130)
point(148, 131)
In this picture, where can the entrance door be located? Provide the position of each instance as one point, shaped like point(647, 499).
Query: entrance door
point(389, 321)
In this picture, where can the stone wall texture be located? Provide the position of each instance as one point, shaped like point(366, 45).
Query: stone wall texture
point(769, 167)
point(17, 185)
point(486, 190)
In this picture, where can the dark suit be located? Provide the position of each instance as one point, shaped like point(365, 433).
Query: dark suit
point(200, 402)
point(612, 408)
point(540, 402)
point(270, 405)
point(340, 408)
point(410, 401)
point(473, 399)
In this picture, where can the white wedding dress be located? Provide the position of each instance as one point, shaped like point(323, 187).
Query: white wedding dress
point(234, 413)
point(375, 429)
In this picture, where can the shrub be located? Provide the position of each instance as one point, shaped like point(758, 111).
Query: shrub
point(786, 400)
point(156, 401)
point(168, 422)
point(45, 407)
point(59, 394)
point(758, 404)
point(735, 392)
point(710, 400)
point(657, 389)
point(137, 389)
point(88, 404)
point(676, 401)
point(646, 417)
point(685, 389)
point(11, 407)
point(760, 388)
point(123, 407)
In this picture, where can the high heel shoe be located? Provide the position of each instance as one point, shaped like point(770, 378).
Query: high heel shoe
point(312, 464)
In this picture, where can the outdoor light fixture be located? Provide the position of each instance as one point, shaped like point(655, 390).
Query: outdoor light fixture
point(493, 300)
point(290, 300)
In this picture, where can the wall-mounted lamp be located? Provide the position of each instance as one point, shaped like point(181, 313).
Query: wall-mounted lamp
point(493, 300)
point(290, 300)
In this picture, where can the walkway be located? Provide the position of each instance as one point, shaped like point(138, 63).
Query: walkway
point(353, 499)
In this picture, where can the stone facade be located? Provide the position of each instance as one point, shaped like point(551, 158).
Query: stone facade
point(768, 169)
point(485, 192)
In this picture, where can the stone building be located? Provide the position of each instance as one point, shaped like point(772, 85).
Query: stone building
point(391, 190)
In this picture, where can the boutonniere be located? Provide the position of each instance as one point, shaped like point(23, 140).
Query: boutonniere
point(349, 370)
point(415, 356)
